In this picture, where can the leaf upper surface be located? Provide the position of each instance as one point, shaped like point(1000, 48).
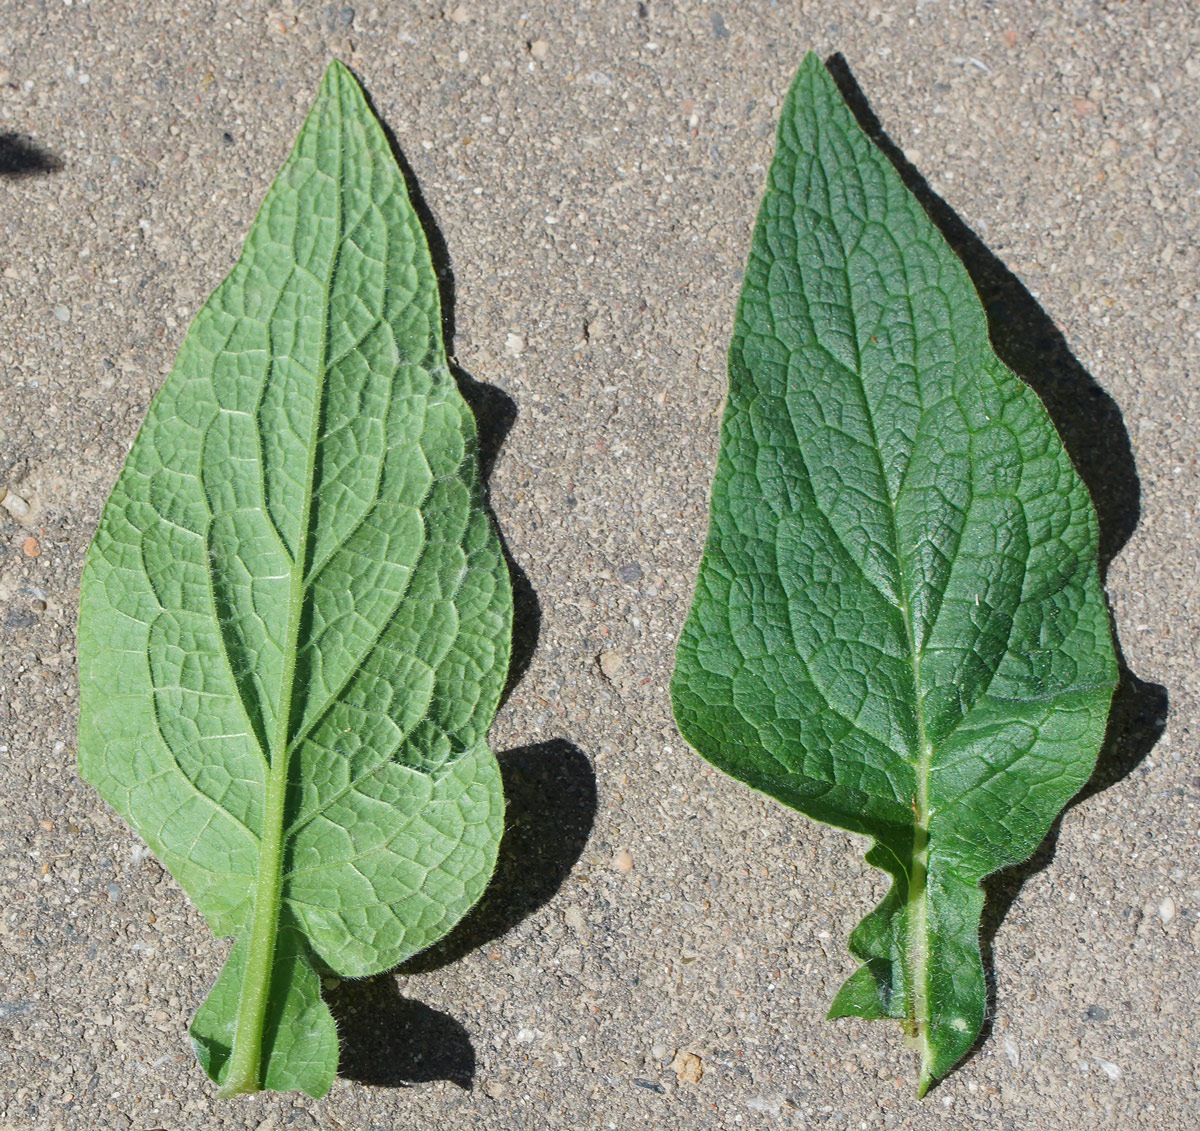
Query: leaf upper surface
point(295, 617)
point(898, 626)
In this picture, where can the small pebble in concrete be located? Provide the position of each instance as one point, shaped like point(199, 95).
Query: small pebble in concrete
point(688, 1068)
point(13, 503)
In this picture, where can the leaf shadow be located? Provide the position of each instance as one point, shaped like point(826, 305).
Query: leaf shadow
point(1094, 434)
point(21, 157)
point(391, 1041)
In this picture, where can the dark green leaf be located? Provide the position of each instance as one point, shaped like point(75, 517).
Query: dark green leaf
point(898, 626)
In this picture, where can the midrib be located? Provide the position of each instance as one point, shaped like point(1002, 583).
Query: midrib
point(246, 1055)
point(916, 946)
point(916, 918)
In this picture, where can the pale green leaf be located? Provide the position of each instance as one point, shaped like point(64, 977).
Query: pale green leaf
point(295, 617)
point(898, 626)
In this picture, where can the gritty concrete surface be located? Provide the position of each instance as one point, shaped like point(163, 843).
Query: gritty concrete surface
point(593, 169)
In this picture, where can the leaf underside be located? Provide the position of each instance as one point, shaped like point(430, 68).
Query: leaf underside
point(898, 626)
point(295, 617)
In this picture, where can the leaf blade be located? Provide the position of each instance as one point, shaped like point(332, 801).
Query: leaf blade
point(295, 594)
point(898, 626)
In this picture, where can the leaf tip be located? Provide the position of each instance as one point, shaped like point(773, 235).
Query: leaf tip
point(337, 74)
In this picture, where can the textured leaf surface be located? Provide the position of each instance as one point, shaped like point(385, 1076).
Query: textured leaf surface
point(295, 616)
point(898, 626)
